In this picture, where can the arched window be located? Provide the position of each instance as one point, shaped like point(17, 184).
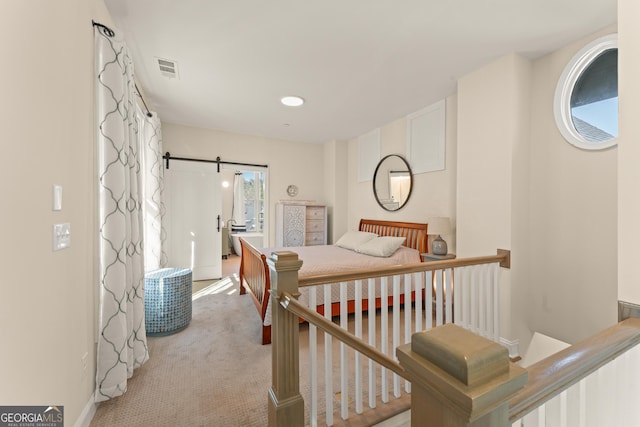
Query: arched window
point(586, 100)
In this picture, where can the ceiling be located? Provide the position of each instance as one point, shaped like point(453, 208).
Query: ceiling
point(359, 64)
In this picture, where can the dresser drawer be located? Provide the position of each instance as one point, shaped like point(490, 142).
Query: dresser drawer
point(315, 226)
point(300, 224)
point(315, 212)
point(314, 239)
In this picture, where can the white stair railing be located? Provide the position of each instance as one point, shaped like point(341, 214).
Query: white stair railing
point(593, 383)
point(435, 302)
point(477, 300)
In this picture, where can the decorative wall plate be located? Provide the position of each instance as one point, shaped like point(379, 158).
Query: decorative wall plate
point(292, 191)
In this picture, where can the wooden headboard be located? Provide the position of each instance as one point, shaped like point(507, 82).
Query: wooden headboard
point(415, 233)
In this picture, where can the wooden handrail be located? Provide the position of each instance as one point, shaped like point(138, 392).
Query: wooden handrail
point(550, 376)
point(290, 303)
point(320, 279)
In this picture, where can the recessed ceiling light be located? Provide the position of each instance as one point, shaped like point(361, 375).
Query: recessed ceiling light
point(292, 101)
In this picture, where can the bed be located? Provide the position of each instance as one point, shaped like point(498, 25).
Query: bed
point(254, 271)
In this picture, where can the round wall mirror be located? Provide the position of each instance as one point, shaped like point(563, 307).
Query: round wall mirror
point(392, 182)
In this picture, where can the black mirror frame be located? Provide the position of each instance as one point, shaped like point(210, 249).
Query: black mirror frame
point(375, 174)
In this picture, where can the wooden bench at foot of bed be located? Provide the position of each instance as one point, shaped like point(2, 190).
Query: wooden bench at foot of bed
point(255, 278)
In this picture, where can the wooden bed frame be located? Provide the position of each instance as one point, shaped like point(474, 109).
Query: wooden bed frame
point(254, 271)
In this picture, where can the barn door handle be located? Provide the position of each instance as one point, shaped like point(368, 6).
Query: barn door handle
point(218, 223)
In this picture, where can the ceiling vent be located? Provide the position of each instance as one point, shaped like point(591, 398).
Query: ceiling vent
point(168, 68)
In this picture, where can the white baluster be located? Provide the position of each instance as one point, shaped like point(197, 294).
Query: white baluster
point(407, 309)
point(418, 279)
point(582, 411)
point(328, 360)
point(344, 357)
point(372, 340)
point(542, 415)
point(439, 298)
point(482, 306)
point(563, 409)
point(384, 330)
point(448, 277)
point(457, 301)
point(407, 319)
point(607, 387)
point(396, 330)
point(358, 363)
point(461, 297)
point(491, 329)
point(313, 364)
point(473, 300)
point(428, 299)
point(496, 302)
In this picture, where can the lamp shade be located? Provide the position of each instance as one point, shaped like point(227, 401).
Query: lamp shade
point(439, 225)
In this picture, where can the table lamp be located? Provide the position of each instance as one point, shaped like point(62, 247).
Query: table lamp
point(438, 226)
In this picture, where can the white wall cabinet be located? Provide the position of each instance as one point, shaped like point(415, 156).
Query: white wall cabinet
point(300, 224)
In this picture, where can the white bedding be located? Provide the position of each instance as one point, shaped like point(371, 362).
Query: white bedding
point(332, 259)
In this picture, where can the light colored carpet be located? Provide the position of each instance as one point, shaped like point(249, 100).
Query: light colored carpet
point(216, 372)
point(199, 376)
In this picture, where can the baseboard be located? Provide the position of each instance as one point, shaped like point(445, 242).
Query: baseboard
point(512, 346)
point(627, 310)
point(84, 420)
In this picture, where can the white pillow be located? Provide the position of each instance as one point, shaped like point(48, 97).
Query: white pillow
point(353, 239)
point(381, 246)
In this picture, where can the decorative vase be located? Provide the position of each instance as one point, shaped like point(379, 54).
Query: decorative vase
point(439, 246)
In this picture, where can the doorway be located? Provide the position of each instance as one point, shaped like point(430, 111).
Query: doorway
point(193, 217)
point(249, 210)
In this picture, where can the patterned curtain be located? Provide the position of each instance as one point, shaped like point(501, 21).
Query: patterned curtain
point(122, 342)
point(155, 255)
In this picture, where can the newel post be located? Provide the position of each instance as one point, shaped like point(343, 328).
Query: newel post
point(459, 378)
point(286, 407)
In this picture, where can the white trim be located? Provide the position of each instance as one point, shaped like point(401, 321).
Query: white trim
point(265, 170)
point(564, 89)
point(87, 414)
point(426, 138)
point(512, 346)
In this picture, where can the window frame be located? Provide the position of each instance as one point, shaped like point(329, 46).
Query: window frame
point(259, 191)
point(562, 100)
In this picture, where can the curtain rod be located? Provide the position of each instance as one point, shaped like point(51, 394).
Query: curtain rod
point(142, 99)
point(219, 162)
point(110, 33)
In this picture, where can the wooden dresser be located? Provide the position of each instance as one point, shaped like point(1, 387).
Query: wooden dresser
point(300, 224)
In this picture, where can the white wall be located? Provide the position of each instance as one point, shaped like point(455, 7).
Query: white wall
point(433, 193)
point(493, 134)
point(336, 160)
point(629, 152)
point(572, 292)
point(47, 304)
point(522, 187)
point(488, 129)
point(289, 162)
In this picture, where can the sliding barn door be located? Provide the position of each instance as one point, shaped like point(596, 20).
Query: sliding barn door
point(193, 202)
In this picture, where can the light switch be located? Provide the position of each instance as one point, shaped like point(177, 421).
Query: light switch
point(61, 236)
point(57, 197)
